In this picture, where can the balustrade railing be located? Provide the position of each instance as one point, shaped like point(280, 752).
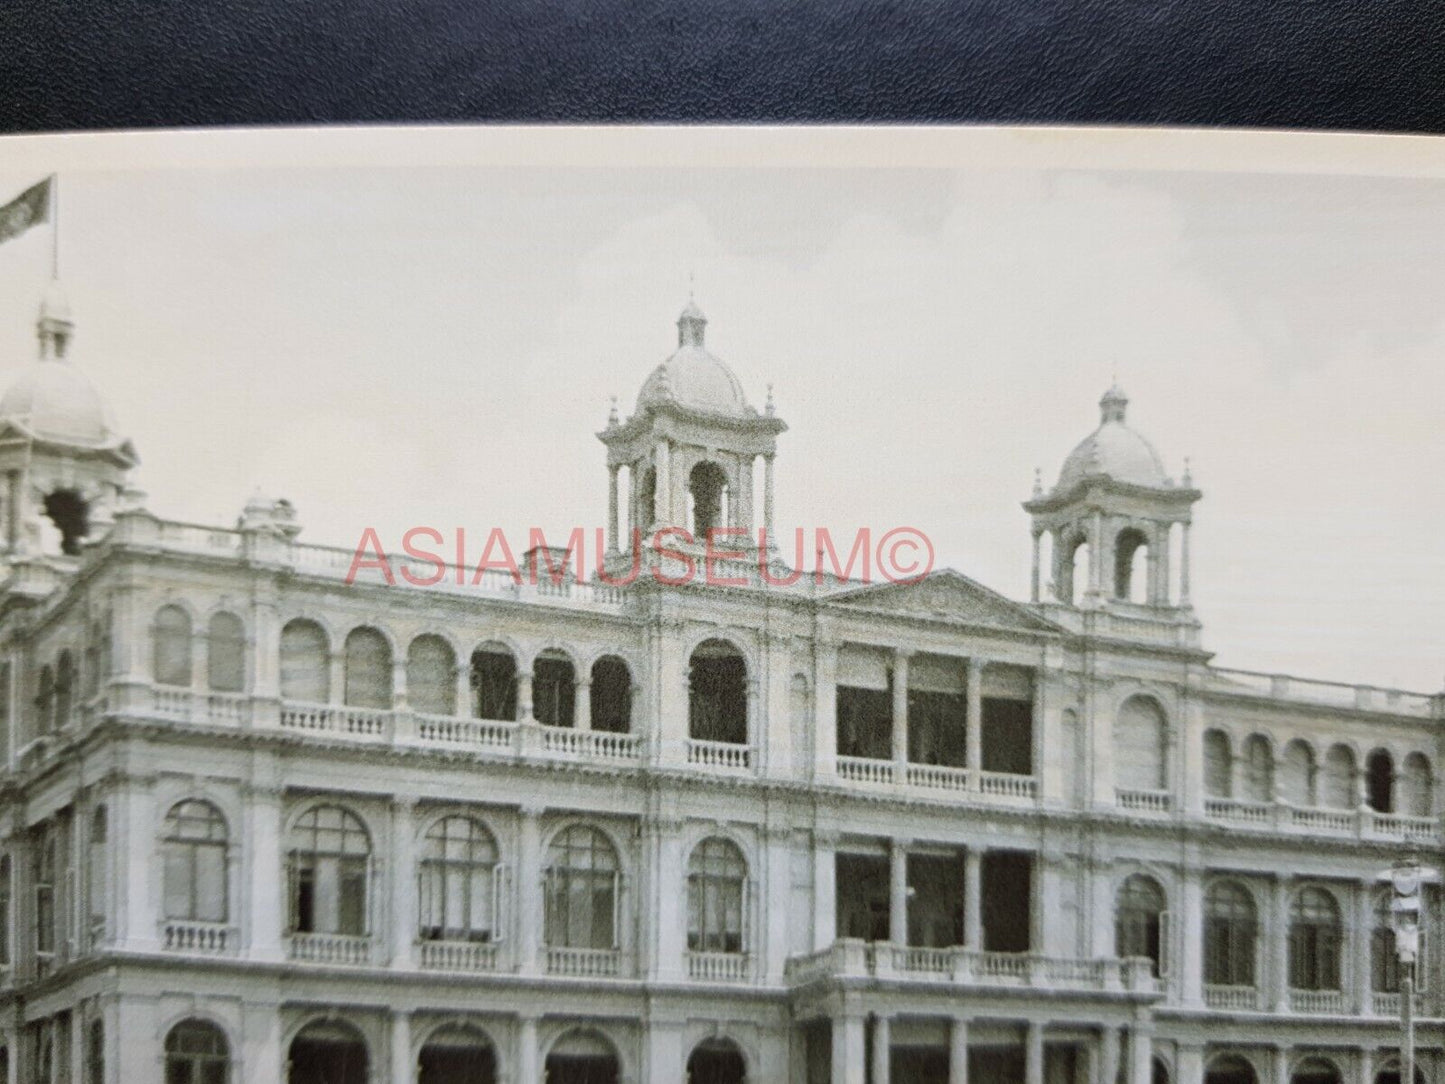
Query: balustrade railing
point(471, 733)
point(719, 754)
point(1145, 801)
point(590, 744)
point(1317, 1001)
point(1238, 811)
point(458, 955)
point(337, 719)
point(1238, 998)
point(1385, 1004)
point(584, 962)
point(937, 777)
point(212, 938)
point(1007, 785)
point(865, 770)
point(719, 966)
point(330, 948)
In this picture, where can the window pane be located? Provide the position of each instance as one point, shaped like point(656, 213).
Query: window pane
point(178, 881)
point(211, 889)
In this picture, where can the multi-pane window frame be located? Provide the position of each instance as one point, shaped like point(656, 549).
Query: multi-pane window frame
point(45, 892)
point(1231, 936)
point(196, 1052)
point(195, 847)
point(350, 864)
point(719, 898)
point(97, 875)
point(171, 633)
point(464, 869)
point(566, 875)
point(1315, 941)
point(225, 653)
point(1142, 922)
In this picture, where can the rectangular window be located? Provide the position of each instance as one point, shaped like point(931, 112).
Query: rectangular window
point(865, 723)
point(1008, 736)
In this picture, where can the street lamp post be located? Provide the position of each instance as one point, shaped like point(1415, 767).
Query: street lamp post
point(1405, 878)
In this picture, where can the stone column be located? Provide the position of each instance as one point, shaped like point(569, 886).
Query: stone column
point(403, 1064)
point(1141, 1053)
point(1190, 1067)
point(882, 1048)
point(1096, 558)
point(665, 1055)
point(398, 682)
point(1190, 934)
point(582, 697)
point(825, 708)
point(1156, 594)
point(848, 1061)
point(336, 675)
point(662, 488)
point(771, 904)
point(261, 1057)
point(1279, 1064)
point(524, 695)
point(743, 514)
point(1184, 566)
point(531, 906)
point(527, 1057)
point(1034, 571)
point(1279, 941)
point(768, 498)
point(1034, 1053)
point(670, 936)
point(898, 892)
point(136, 920)
point(1367, 1065)
point(1109, 1055)
point(264, 857)
point(1360, 957)
point(900, 715)
point(464, 707)
point(612, 469)
point(403, 883)
point(973, 725)
point(973, 898)
point(958, 1051)
point(825, 890)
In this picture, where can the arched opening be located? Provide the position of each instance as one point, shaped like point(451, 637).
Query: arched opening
point(717, 877)
point(64, 688)
point(368, 669)
point(226, 653)
point(171, 645)
point(1140, 733)
point(1297, 774)
point(457, 1054)
point(716, 1061)
point(1158, 1072)
point(459, 887)
point(431, 676)
point(611, 694)
point(1075, 557)
point(1314, 941)
point(1131, 565)
point(69, 512)
point(1338, 789)
point(1139, 921)
point(645, 506)
point(1230, 1069)
point(1258, 769)
point(1218, 760)
point(582, 883)
point(45, 700)
point(329, 869)
point(1229, 935)
point(718, 693)
point(94, 1053)
point(328, 1052)
point(1392, 1073)
point(1380, 781)
point(582, 1057)
point(96, 883)
point(305, 662)
point(194, 863)
point(707, 489)
point(1417, 798)
point(494, 683)
point(1316, 1071)
point(554, 689)
point(197, 1053)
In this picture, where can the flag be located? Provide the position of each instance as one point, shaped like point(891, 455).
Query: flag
point(27, 209)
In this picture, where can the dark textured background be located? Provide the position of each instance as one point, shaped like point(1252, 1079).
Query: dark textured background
point(1363, 64)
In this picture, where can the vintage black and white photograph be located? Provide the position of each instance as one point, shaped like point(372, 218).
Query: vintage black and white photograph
point(617, 606)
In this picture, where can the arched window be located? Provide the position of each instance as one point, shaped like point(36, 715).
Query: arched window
point(45, 701)
point(1131, 555)
point(1384, 961)
point(194, 850)
point(1075, 557)
point(431, 676)
point(95, 1053)
point(1139, 737)
point(457, 1054)
point(645, 506)
point(1380, 781)
point(717, 877)
point(1297, 774)
point(1315, 1071)
point(1139, 921)
point(718, 693)
point(7, 887)
point(494, 683)
point(708, 489)
point(1338, 791)
point(1229, 935)
point(305, 662)
point(330, 871)
point(226, 653)
point(328, 1052)
point(1258, 769)
point(1392, 1072)
point(581, 1057)
point(43, 880)
point(583, 883)
point(368, 669)
point(96, 882)
point(172, 645)
point(64, 689)
point(1230, 1069)
point(1417, 797)
point(716, 1061)
point(90, 661)
point(611, 695)
point(554, 689)
point(460, 890)
point(1314, 941)
point(1217, 764)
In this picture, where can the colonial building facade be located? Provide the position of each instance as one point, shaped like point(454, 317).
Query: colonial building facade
point(265, 820)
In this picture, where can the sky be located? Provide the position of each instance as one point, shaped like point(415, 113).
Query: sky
point(425, 345)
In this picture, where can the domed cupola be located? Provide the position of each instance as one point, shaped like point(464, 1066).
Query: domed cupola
point(1109, 520)
point(690, 446)
point(693, 378)
point(61, 455)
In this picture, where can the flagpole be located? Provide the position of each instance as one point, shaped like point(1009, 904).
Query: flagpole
point(55, 225)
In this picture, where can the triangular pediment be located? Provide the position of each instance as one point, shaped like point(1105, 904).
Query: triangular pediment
point(946, 595)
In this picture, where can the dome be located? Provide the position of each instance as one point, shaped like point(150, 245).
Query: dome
point(1113, 451)
point(692, 377)
point(54, 400)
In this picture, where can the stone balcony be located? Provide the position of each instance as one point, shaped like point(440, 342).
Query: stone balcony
point(850, 959)
point(1363, 823)
point(937, 780)
point(472, 957)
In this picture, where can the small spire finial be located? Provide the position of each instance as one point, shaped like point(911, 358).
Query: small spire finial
point(769, 408)
point(612, 413)
point(1113, 404)
point(1038, 482)
point(1188, 478)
